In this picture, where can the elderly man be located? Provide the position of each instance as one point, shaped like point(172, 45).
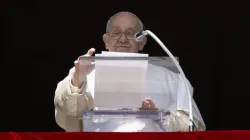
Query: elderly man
point(73, 96)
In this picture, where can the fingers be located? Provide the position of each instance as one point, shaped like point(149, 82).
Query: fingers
point(150, 101)
point(145, 104)
point(76, 66)
point(86, 68)
point(90, 52)
point(75, 80)
point(148, 104)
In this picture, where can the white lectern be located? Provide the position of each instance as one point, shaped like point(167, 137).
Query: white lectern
point(119, 85)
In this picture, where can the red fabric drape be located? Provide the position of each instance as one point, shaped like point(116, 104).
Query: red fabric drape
point(206, 135)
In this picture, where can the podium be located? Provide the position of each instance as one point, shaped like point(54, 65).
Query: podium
point(127, 121)
point(118, 87)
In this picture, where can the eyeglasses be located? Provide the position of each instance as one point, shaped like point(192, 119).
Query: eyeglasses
point(116, 34)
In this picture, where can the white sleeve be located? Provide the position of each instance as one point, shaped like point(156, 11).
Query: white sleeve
point(179, 121)
point(69, 100)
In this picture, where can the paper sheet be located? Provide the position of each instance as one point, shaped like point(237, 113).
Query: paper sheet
point(120, 83)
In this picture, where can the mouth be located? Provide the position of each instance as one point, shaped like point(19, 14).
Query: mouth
point(123, 46)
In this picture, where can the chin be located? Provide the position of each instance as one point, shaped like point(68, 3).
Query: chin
point(123, 50)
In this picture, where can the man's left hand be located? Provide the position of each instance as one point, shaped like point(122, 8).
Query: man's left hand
point(148, 104)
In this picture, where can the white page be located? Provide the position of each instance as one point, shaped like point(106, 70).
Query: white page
point(124, 54)
point(120, 63)
point(119, 83)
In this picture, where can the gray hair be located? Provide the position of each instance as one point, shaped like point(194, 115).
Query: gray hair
point(109, 23)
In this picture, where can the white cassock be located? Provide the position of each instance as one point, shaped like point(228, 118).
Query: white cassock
point(161, 80)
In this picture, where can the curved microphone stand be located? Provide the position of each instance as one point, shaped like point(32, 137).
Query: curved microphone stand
point(138, 37)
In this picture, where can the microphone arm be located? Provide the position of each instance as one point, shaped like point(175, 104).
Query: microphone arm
point(138, 37)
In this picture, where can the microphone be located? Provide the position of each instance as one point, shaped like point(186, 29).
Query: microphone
point(138, 37)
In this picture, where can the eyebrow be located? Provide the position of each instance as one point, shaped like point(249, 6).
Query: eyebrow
point(117, 27)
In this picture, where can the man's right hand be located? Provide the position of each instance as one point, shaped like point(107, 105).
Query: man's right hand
point(81, 71)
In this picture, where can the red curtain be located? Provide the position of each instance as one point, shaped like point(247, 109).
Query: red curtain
point(206, 135)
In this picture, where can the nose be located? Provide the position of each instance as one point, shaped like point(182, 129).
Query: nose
point(123, 38)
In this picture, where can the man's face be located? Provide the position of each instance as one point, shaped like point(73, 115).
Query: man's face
point(120, 37)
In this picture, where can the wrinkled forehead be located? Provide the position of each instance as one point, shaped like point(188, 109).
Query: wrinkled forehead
point(125, 22)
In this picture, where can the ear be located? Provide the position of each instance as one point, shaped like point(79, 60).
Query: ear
point(143, 43)
point(105, 40)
